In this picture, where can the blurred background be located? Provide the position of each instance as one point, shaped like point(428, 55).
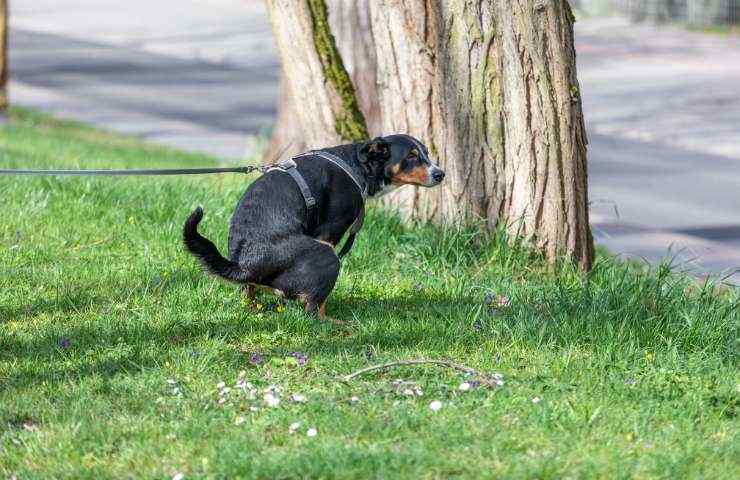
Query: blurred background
point(660, 82)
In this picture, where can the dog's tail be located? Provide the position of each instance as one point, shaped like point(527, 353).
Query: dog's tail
point(207, 253)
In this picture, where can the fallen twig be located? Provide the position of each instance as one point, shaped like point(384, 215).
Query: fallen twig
point(400, 363)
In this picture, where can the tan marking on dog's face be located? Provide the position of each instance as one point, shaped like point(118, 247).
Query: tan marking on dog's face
point(418, 175)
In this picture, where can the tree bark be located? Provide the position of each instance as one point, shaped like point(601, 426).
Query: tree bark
point(488, 85)
point(287, 137)
point(3, 56)
point(350, 23)
point(336, 39)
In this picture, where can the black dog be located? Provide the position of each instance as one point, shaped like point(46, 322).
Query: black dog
point(272, 241)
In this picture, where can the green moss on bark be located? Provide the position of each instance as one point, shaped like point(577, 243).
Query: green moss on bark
point(350, 122)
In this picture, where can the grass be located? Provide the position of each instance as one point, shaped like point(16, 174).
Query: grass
point(113, 343)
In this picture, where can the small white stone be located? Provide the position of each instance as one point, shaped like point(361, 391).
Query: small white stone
point(271, 400)
point(293, 427)
point(312, 432)
point(408, 391)
point(178, 476)
point(435, 405)
point(464, 387)
point(536, 400)
point(354, 399)
point(254, 409)
point(239, 420)
point(298, 398)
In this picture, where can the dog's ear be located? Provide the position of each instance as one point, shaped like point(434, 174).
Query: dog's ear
point(374, 156)
point(375, 153)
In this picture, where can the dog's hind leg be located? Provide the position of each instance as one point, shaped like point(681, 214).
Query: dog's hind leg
point(312, 276)
point(250, 291)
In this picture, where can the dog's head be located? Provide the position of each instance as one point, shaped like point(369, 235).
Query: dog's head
point(398, 160)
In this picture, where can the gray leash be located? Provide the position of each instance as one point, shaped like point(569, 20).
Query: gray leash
point(161, 171)
point(288, 166)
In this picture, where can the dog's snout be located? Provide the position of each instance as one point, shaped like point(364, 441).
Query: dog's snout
point(438, 175)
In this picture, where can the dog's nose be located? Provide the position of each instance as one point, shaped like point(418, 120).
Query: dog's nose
point(438, 175)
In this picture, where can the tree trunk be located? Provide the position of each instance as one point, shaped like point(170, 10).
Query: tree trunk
point(349, 21)
point(489, 86)
point(705, 13)
point(287, 137)
point(348, 24)
point(655, 11)
point(3, 56)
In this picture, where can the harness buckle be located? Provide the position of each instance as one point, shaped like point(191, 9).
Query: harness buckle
point(286, 164)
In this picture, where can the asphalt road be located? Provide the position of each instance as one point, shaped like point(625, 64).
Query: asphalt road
point(662, 105)
point(663, 115)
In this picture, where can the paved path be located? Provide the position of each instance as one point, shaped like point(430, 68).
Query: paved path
point(663, 106)
point(663, 113)
point(195, 74)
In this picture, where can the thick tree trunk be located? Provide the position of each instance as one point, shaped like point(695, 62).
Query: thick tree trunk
point(3, 56)
point(489, 86)
point(346, 40)
point(350, 23)
point(287, 136)
point(655, 11)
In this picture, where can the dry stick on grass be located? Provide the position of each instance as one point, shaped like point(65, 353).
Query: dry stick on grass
point(400, 363)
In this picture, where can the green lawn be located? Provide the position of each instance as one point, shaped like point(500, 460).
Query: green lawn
point(113, 343)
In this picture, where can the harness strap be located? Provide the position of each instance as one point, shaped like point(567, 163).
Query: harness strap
point(362, 187)
point(353, 230)
point(341, 164)
point(289, 167)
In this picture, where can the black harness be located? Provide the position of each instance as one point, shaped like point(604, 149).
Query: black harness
point(312, 213)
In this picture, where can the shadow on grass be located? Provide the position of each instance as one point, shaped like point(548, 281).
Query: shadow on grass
point(121, 344)
point(66, 304)
point(130, 339)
